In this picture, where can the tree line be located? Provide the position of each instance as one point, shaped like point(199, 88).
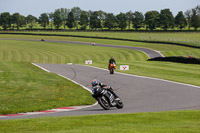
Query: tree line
point(80, 19)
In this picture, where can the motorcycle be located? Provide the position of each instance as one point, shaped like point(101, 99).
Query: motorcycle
point(42, 39)
point(106, 98)
point(112, 68)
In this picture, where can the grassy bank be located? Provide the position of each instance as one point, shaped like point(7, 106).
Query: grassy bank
point(189, 38)
point(26, 88)
point(165, 49)
point(167, 122)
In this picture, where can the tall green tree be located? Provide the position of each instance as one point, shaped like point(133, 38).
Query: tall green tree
point(152, 19)
point(121, 21)
point(64, 14)
point(188, 15)
point(110, 21)
point(138, 20)
point(89, 13)
point(5, 20)
point(70, 20)
point(129, 18)
point(44, 20)
point(57, 20)
point(102, 17)
point(77, 13)
point(195, 18)
point(180, 20)
point(166, 19)
point(31, 21)
point(95, 22)
point(84, 21)
point(18, 20)
point(50, 15)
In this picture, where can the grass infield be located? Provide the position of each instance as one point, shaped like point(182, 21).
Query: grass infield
point(157, 122)
point(26, 88)
point(189, 38)
point(165, 49)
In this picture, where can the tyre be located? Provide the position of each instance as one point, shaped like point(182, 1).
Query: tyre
point(119, 104)
point(103, 102)
point(111, 71)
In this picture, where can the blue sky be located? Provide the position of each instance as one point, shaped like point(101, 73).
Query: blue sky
point(36, 7)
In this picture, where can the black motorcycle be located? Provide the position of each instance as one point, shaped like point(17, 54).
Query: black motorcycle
point(106, 98)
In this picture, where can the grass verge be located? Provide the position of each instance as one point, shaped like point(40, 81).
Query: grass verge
point(165, 49)
point(175, 37)
point(26, 88)
point(167, 122)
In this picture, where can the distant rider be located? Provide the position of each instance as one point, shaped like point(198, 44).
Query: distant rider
point(111, 61)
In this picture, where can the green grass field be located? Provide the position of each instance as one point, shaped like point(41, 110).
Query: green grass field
point(27, 88)
point(157, 122)
point(166, 49)
point(189, 38)
point(19, 77)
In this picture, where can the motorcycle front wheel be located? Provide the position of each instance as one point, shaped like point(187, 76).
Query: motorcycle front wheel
point(111, 71)
point(103, 102)
point(119, 104)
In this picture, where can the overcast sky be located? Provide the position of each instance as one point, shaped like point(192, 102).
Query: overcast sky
point(36, 7)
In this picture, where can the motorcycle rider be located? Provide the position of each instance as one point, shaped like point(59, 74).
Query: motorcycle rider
point(109, 88)
point(111, 61)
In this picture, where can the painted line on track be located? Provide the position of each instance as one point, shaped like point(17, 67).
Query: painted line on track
point(67, 79)
point(148, 77)
point(41, 67)
point(61, 109)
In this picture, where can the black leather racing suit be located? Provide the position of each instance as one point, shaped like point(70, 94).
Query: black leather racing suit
point(111, 61)
point(109, 88)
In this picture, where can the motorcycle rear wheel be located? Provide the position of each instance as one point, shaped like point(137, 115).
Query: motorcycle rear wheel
point(103, 102)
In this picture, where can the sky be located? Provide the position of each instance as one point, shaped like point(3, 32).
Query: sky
point(37, 7)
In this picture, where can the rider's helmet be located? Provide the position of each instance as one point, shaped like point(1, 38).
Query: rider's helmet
point(95, 82)
point(112, 57)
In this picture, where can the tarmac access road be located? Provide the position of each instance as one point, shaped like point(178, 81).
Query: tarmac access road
point(139, 94)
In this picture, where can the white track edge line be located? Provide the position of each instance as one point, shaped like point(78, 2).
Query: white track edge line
point(40, 67)
point(87, 106)
point(147, 77)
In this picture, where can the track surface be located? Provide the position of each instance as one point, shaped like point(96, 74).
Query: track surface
point(139, 94)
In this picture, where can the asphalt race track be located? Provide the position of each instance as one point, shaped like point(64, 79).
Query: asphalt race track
point(139, 94)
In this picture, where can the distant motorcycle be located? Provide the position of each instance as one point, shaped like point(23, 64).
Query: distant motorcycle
point(106, 98)
point(112, 68)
